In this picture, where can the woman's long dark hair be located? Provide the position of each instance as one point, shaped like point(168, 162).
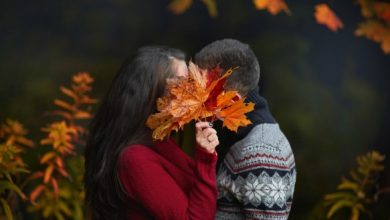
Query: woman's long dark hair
point(119, 122)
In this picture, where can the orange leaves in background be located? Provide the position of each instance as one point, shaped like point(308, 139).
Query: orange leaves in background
point(180, 6)
point(12, 144)
point(59, 192)
point(60, 136)
point(14, 133)
point(273, 6)
point(377, 24)
point(382, 9)
point(324, 15)
point(376, 32)
point(78, 108)
point(197, 97)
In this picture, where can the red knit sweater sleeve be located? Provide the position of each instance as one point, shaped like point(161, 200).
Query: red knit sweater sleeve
point(151, 185)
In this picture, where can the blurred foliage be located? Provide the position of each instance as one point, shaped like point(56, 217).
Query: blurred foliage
point(376, 26)
point(59, 191)
point(361, 190)
point(180, 6)
point(273, 6)
point(13, 142)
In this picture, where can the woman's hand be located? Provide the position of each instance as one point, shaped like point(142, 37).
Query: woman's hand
point(206, 136)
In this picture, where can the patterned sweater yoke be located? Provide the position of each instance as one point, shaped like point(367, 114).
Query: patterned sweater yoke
point(257, 177)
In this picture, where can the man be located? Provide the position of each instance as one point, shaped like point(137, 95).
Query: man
point(256, 175)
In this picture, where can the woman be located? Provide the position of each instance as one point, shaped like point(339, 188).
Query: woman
point(129, 176)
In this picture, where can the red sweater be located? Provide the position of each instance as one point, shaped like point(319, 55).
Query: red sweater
point(162, 182)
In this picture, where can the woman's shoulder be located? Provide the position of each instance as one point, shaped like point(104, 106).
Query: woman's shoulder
point(138, 152)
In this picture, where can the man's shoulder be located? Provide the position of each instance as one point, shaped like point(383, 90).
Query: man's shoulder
point(265, 138)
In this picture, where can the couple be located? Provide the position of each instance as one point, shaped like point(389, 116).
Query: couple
point(130, 176)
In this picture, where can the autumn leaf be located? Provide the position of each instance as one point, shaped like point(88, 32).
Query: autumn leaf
point(234, 116)
point(179, 6)
point(36, 192)
point(82, 115)
point(324, 15)
point(211, 7)
point(214, 89)
point(202, 80)
point(226, 98)
point(197, 97)
point(48, 156)
point(55, 186)
point(375, 31)
point(68, 92)
point(48, 172)
point(382, 9)
point(273, 6)
point(60, 136)
point(82, 78)
point(366, 8)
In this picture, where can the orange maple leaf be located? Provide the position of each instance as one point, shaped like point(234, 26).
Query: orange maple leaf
point(273, 6)
point(324, 15)
point(234, 116)
point(197, 98)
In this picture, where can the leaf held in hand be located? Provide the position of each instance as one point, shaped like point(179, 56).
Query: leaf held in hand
point(197, 97)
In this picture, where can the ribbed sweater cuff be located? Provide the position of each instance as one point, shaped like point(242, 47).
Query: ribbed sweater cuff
point(204, 156)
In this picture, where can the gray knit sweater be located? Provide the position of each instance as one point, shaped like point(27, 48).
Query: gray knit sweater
point(257, 177)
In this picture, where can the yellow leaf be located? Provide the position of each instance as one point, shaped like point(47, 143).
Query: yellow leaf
point(355, 213)
point(211, 7)
point(65, 208)
point(338, 205)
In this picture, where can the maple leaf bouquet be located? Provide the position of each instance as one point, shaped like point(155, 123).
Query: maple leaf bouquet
point(199, 97)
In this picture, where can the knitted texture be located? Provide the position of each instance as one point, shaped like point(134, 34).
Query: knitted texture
point(257, 177)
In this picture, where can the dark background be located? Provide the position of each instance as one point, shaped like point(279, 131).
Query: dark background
point(328, 91)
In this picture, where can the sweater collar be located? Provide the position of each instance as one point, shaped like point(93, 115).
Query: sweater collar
point(260, 115)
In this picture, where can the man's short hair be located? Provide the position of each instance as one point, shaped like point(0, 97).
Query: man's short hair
point(230, 53)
